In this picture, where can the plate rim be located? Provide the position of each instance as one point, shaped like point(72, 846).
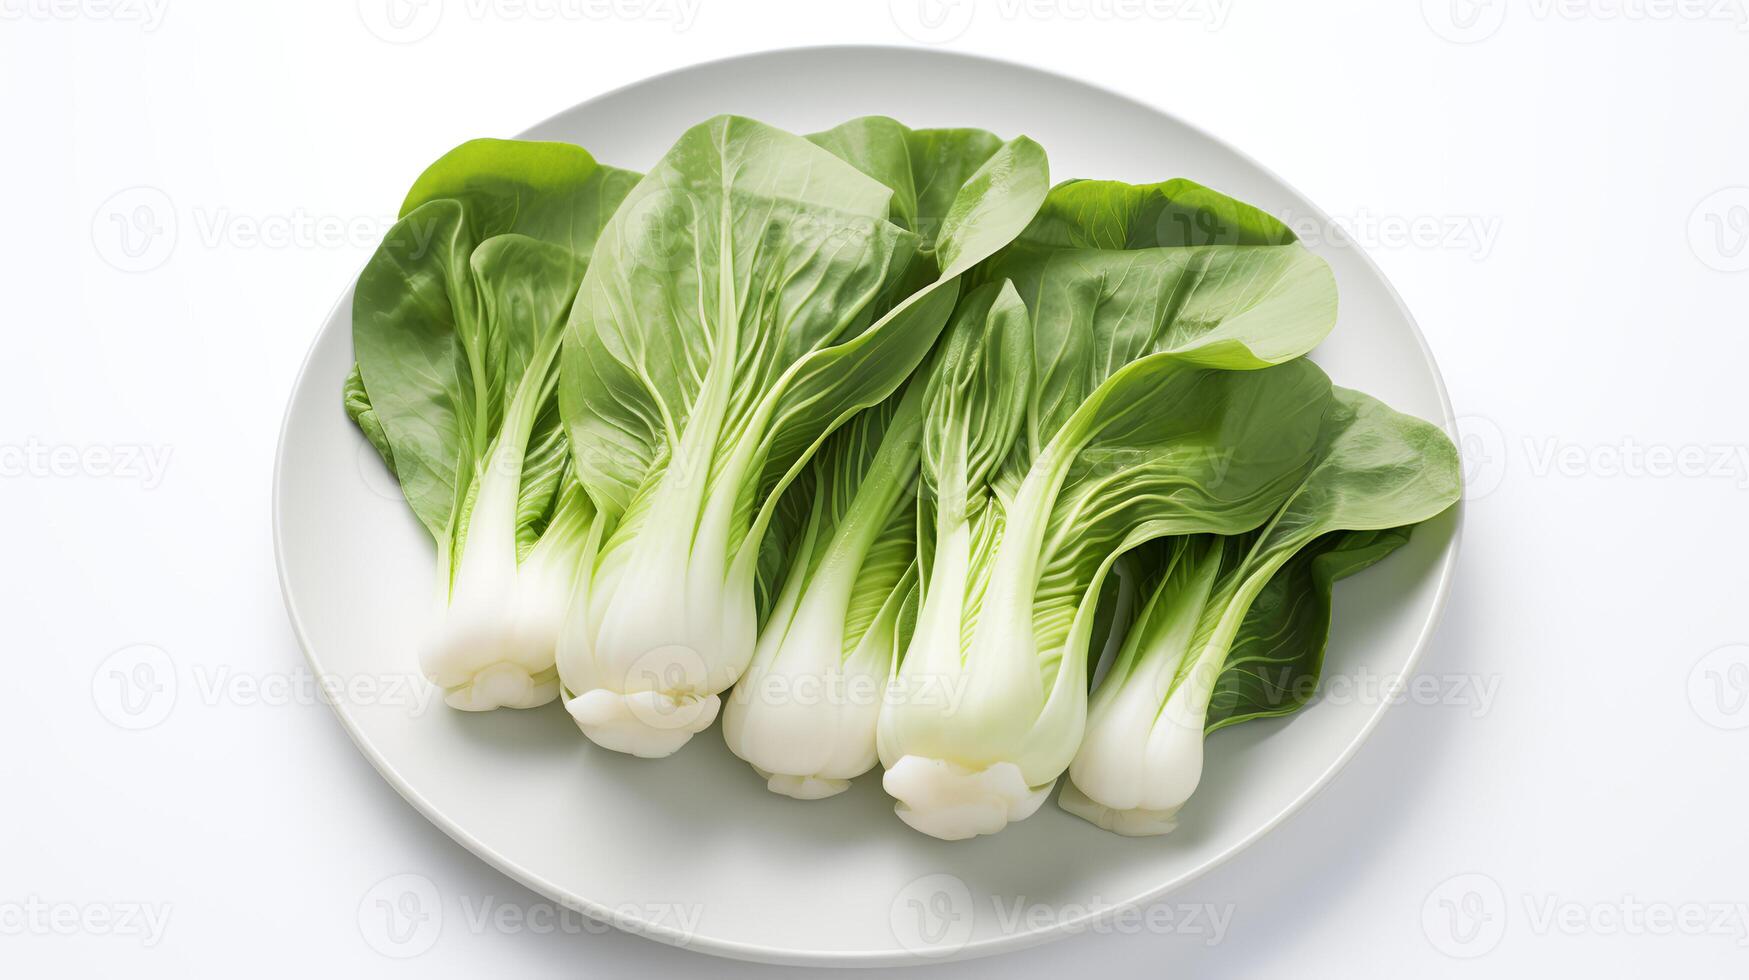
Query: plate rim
point(761, 953)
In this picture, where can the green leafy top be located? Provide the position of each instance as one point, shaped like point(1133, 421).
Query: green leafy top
point(460, 303)
point(555, 192)
point(751, 273)
point(1114, 272)
point(743, 252)
point(1378, 472)
point(1113, 215)
point(926, 168)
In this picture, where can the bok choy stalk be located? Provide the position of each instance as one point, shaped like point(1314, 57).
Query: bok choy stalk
point(750, 295)
point(1141, 758)
point(803, 715)
point(1076, 411)
point(456, 326)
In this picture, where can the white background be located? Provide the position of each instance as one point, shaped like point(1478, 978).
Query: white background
point(1557, 189)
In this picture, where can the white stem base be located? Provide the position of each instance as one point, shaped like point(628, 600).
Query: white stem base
point(1135, 822)
point(949, 801)
point(647, 724)
point(504, 685)
point(802, 787)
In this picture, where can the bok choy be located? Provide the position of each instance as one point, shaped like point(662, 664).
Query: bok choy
point(1141, 759)
point(804, 713)
point(456, 327)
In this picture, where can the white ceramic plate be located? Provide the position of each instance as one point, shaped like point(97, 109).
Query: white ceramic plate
point(693, 849)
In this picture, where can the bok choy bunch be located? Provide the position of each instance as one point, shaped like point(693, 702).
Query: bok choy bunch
point(457, 320)
point(842, 437)
point(1096, 399)
point(752, 293)
point(1376, 471)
